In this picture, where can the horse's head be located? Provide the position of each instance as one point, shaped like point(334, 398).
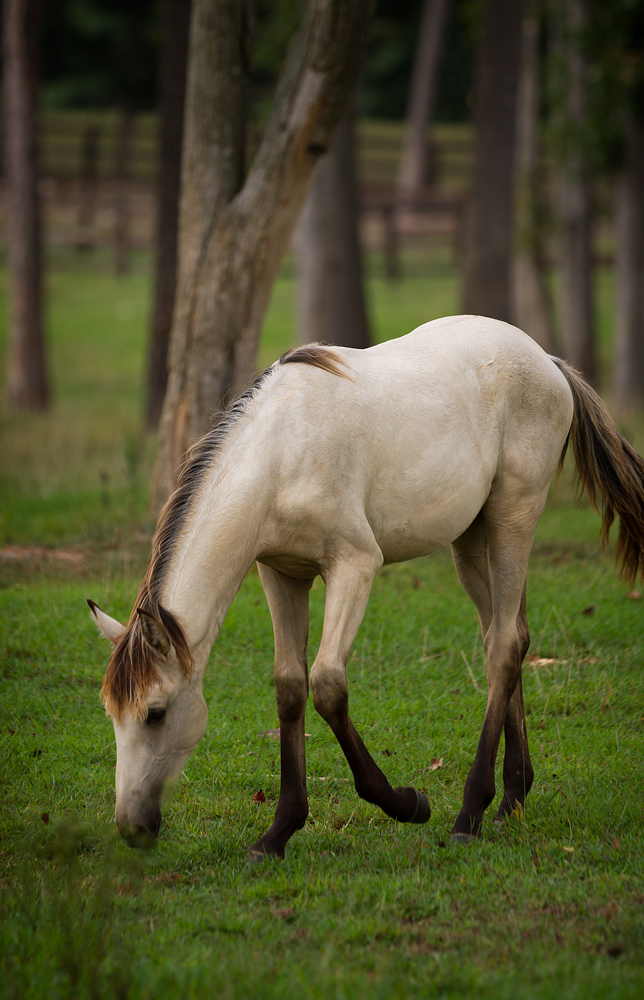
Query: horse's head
point(158, 712)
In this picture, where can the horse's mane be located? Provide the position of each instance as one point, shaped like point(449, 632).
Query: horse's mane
point(131, 669)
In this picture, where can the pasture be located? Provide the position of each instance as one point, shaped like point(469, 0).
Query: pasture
point(549, 906)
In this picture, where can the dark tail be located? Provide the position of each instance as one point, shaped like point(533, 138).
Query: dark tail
point(609, 470)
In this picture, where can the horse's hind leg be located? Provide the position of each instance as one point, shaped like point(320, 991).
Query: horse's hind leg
point(471, 561)
point(348, 587)
point(288, 601)
point(500, 599)
point(518, 773)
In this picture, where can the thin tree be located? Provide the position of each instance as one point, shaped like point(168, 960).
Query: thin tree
point(530, 297)
point(575, 194)
point(232, 232)
point(414, 161)
point(27, 380)
point(172, 92)
point(332, 305)
point(629, 272)
point(487, 278)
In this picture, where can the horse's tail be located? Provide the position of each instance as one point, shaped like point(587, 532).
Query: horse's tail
point(609, 470)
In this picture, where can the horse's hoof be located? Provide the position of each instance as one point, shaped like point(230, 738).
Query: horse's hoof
point(499, 821)
point(461, 838)
point(256, 855)
point(423, 810)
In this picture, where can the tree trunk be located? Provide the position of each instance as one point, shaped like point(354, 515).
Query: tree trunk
point(231, 238)
point(172, 92)
point(332, 306)
point(27, 382)
point(530, 298)
point(87, 189)
point(629, 274)
point(122, 194)
point(489, 226)
point(414, 162)
point(575, 207)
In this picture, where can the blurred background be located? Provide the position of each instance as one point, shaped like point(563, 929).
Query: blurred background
point(492, 162)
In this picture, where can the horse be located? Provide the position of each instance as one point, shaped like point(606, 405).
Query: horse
point(334, 462)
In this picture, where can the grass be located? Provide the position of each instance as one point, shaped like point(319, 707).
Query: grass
point(550, 906)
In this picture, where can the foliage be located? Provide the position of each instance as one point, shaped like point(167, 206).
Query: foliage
point(99, 53)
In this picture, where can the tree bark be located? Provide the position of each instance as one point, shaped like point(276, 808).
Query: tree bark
point(232, 238)
point(87, 189)
point(575, 206)
point(488, 247)
point(414, 162)
point(629, 274)
point(332, 307)
point(27, 381)
point(530, 298)
point(172, 92)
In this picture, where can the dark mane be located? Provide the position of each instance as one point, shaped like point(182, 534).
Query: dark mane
point(319, 356)
point(132, 669)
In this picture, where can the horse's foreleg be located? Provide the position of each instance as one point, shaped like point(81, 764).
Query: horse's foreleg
point(288, 601)
point(506, 643)
point(348, 588)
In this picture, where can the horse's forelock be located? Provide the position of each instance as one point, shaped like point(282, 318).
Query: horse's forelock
point(132, 669)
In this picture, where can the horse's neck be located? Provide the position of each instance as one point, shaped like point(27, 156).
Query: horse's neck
point(216, 548)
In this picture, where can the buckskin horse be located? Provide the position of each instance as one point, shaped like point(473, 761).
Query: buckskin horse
point(334, 462)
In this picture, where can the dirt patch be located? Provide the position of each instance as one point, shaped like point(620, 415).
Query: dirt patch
point(20, 552)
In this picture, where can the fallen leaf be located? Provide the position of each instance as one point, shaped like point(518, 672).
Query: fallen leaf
point(259, 796)
point(541, 661)
point(635, 595)
point(616, 843)
point(45, 818)
point(12, 731)
point(416, 582)
point(436, 763)
point(568, 849)
point(283, 914)
point(535, 859)
point(590, 610)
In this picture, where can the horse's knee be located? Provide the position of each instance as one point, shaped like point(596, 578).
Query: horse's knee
point(291, 693)
point(330, 692)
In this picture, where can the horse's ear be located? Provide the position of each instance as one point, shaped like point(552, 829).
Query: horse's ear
point(109, 627)
point(154, 633)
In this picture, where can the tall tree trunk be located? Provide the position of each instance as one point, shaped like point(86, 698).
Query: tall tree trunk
point(489, 225)
point(27, 382)
point(121, 192)
point(172, 92)
point(332, 306)
point(414, 162)
point(530, 298)
point(575, 205)
point(629, 274)
point(87, 188)
point(231, 238)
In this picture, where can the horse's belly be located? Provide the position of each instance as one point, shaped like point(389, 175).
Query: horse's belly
point(416, 525)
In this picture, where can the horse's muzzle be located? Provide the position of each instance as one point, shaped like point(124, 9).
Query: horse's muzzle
point(142, 830)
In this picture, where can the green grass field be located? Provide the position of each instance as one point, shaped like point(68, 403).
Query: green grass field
point(550, 906)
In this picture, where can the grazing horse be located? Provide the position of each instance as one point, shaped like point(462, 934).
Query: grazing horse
point(334, 462)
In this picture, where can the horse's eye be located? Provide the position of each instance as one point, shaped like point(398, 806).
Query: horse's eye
point(155, 715)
